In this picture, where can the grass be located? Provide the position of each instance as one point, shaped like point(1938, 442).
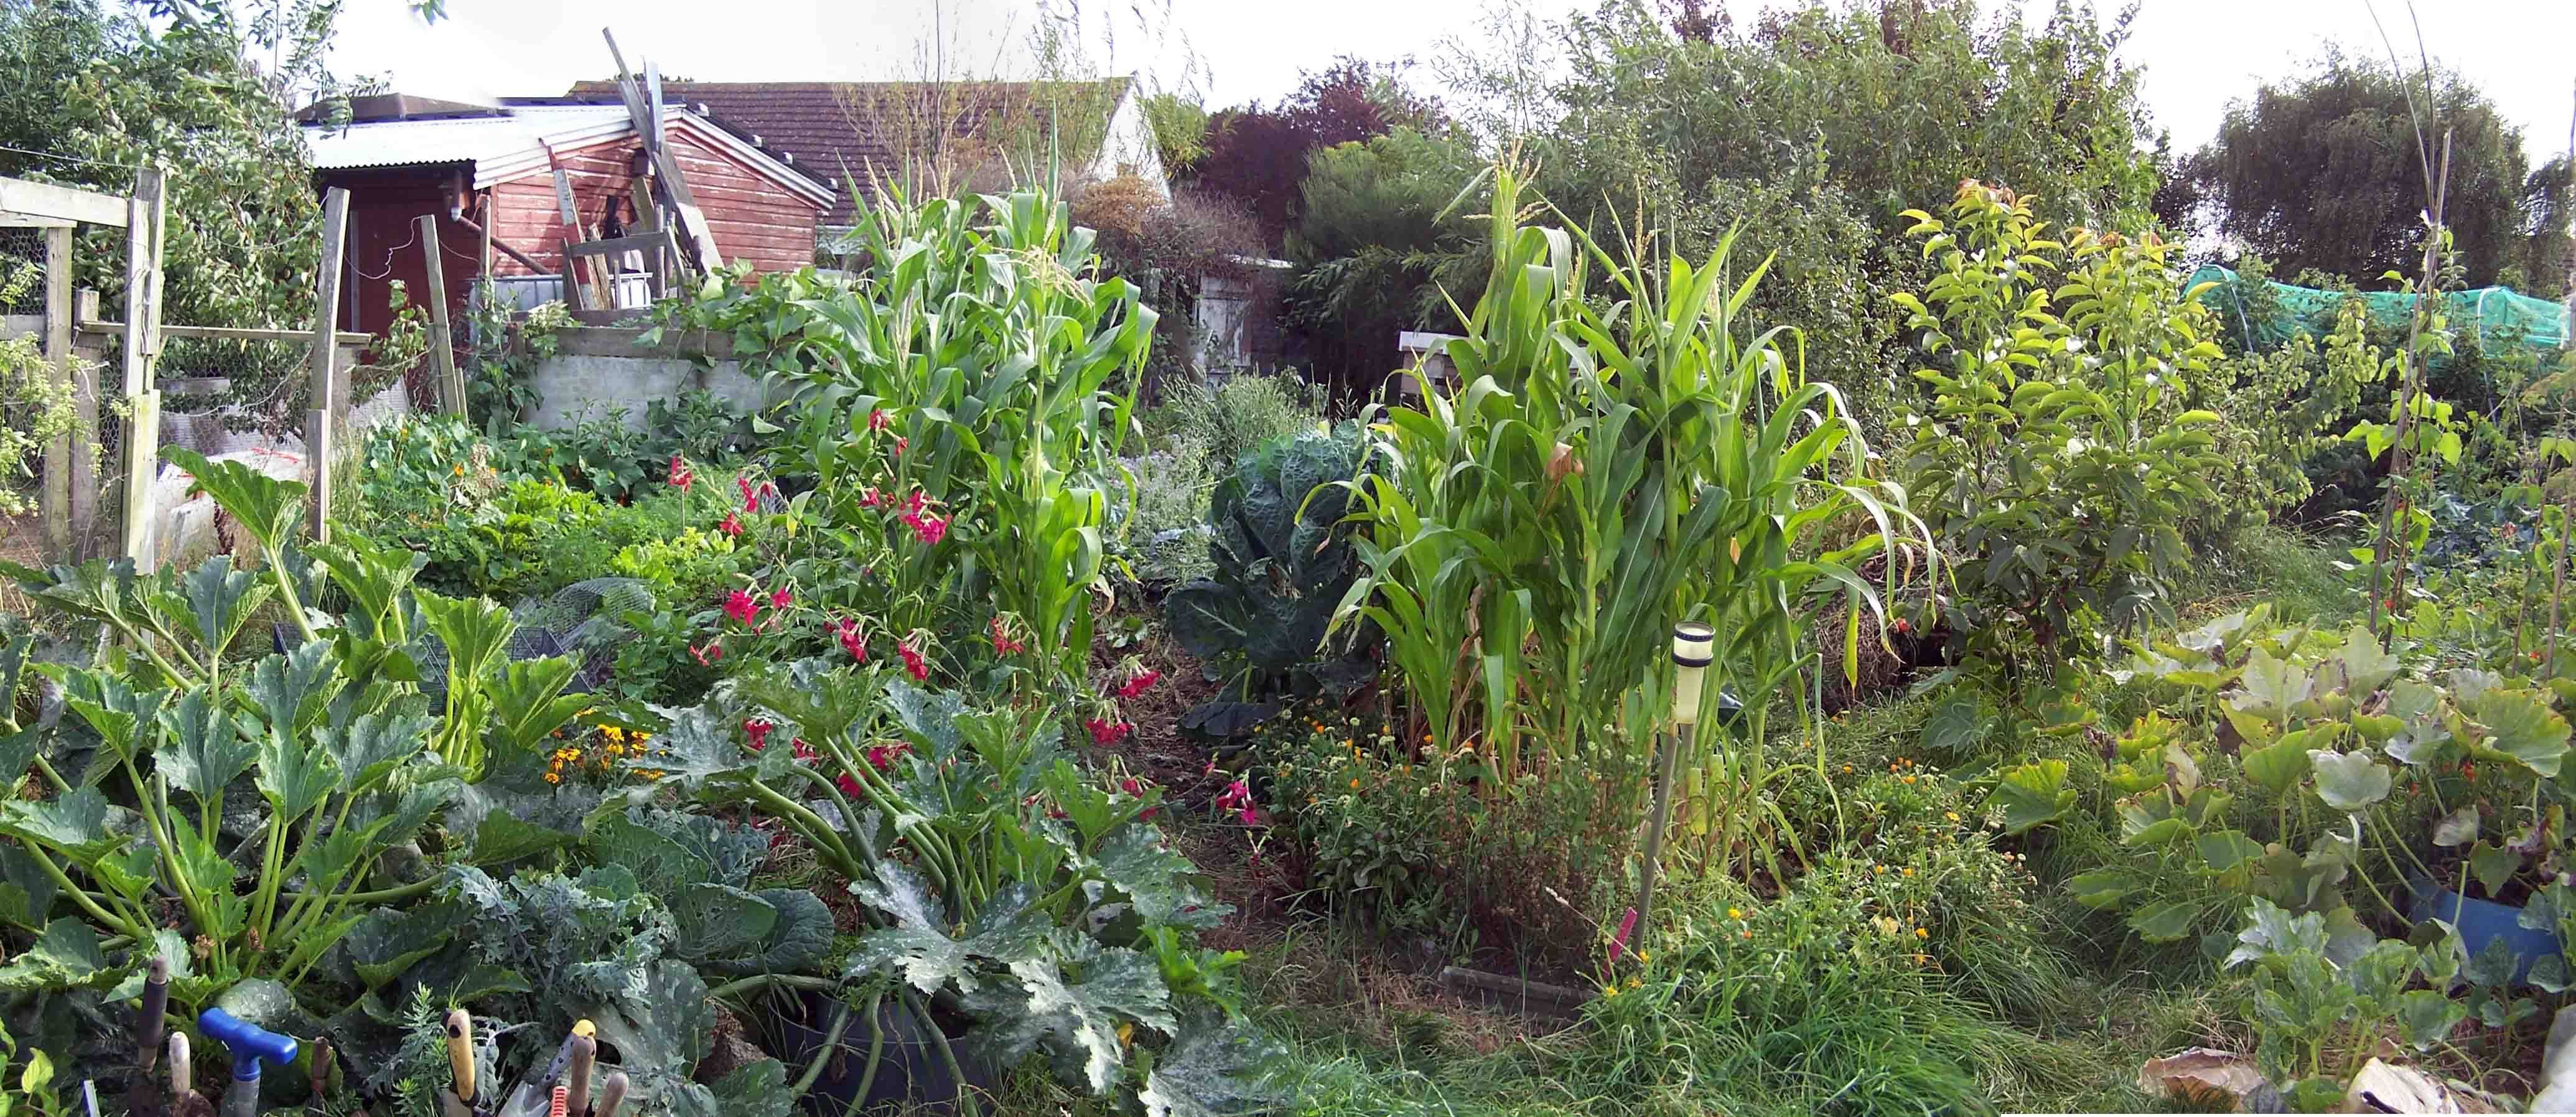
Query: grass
point(2054, 1014)
point(2045, 1007)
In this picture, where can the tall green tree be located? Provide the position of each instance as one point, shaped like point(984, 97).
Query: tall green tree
point(1257, 156)
point(88, 93)
point(1816, 126)
point(2322, 173)
point(1378, 245)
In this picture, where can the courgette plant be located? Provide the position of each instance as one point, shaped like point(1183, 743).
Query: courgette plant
point(228, 811)
point(995, 877)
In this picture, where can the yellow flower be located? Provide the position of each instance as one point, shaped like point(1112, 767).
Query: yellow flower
point(1909, 779)
point(612, 732)
point(1954, 815)
point(1634, 983)
point(1735, 913)
point(642, 737)
point(1126, 1034)
point(1879, 869)
point(1846, 769)
point(1643, 957)
point(554, 777)
point(1920, 933)
point(1612, 991)
point(1907, 871)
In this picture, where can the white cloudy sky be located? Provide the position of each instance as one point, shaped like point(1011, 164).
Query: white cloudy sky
point(2198, 54)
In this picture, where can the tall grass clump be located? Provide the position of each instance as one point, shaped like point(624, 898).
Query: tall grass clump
point(1235, 415)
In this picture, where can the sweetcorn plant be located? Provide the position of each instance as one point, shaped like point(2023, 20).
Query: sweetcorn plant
point(981, 339)
point(2068, 439)
point(1612, 461)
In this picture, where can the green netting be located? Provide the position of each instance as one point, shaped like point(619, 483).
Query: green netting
point(2505, 322)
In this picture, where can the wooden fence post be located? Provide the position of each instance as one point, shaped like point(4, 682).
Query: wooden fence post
point(85, 480)
point(442, 343)
point(61, 453)
point(144, 216)
point(320, 422)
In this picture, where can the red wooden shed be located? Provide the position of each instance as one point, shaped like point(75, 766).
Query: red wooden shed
point(487, 173)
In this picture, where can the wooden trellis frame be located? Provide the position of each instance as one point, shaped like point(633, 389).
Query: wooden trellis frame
point(70, 496)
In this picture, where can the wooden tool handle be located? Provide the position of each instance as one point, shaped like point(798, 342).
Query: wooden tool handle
point(577, 1079)
point(612, 1093)
point(181, 1076)
point(460, 1053)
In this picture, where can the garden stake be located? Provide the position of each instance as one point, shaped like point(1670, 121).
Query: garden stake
point(1691, 645)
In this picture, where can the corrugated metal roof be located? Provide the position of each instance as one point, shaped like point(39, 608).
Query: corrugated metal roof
point(840, 128)
point(484, 139)
point(503, 148)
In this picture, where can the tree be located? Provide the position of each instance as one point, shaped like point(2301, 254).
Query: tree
point(100, 93)
point(1169, 248)
point(1376, 252)
point(2322, 173)
point(1258, 156)
point(1180, 126)
point(1814, 129)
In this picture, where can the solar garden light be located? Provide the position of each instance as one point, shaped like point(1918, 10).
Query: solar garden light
point(1693, 645)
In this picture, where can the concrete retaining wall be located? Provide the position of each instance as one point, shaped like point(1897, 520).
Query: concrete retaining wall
point(602, 369)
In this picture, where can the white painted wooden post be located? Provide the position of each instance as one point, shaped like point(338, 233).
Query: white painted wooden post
point(321, 423)
point(143, 226)
point(63, 452)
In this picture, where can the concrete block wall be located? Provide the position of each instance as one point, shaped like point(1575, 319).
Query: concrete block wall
point(602, 369)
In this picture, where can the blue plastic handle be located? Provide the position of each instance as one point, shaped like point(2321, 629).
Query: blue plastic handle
point(248, 1042)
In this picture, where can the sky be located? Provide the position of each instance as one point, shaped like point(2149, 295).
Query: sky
point(2198, 54)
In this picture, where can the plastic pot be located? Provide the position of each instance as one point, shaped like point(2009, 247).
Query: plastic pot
point(2483, 921)
point(910, 1069)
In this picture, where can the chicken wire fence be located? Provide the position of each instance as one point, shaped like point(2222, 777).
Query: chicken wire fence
point(22, 306)
point(22, 271)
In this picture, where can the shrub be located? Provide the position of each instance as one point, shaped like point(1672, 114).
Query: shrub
point(1237, 415)
point(1160, 535)
point(2068, 441)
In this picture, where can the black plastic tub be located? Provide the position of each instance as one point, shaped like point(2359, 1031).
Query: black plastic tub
point(910, 1068)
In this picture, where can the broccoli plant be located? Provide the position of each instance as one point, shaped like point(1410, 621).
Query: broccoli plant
point(1283, 563)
